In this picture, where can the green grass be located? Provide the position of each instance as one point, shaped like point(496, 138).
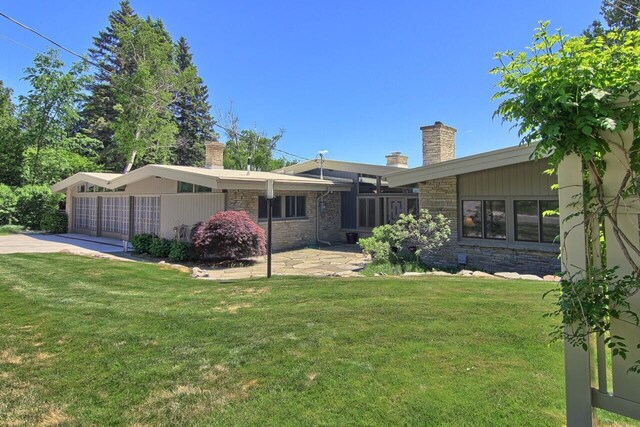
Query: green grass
point(10, 229)
point(95, 342)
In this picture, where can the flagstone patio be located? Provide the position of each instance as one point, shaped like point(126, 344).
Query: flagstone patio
point(341, 260)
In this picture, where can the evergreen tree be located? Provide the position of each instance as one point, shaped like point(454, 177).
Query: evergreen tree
point(10, 142)
point(191, 111)
point(99, 112)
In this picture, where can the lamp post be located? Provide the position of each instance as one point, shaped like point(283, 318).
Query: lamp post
point(270, 197)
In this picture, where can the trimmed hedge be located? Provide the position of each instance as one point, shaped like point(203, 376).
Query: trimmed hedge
point(160, 247)
point(8, 201)
point(33, 203)
point(142, 242)
point(180, 251)
point(55, 222)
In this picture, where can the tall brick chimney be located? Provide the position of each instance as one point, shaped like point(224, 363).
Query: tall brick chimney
point(214, 155)
point(438, 143)
point(397, 159)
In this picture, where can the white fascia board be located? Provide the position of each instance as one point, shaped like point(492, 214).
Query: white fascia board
point(479, 162)
point(167, 173)
point(78, 178)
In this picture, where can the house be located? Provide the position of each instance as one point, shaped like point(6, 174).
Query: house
point(371, 201)
point(495, 201)
point(166, 200)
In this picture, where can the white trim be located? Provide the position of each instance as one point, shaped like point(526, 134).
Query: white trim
point(338, 165)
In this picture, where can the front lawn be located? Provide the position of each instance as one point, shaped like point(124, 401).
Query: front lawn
point(95, 342)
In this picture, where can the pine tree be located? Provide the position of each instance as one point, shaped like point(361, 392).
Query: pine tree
point(191, 111)
point(99, 112)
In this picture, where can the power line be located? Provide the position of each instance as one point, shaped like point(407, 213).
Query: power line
point(17, 43)
point(231, 133)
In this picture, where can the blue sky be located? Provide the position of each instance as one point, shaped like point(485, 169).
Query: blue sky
point(356, 78)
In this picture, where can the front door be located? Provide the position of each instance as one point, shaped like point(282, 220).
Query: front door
point(396, 207)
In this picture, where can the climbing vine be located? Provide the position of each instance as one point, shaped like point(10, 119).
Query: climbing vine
point(574, 95)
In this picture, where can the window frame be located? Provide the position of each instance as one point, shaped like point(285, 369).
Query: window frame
point(298, 200)
point(510, 215)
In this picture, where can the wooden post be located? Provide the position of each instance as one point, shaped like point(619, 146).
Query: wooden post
point(573, 241)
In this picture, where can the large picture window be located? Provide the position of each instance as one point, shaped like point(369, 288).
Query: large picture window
point(484, 219)
point(531, 223)
point(295, 206)
point(85, 215)
point(146, 215)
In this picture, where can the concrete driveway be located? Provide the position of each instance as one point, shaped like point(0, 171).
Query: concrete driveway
point(43, 243)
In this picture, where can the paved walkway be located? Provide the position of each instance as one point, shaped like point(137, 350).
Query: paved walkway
point(341, 260)
point(44, 243)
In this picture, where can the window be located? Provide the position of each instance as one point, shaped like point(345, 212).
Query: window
point(472, 219)
point(202, 189)
point(527, 219)
point(295, 206)
point(550, 223)
point(531, 225)
point(366, 212)
point(185, 187)
point(367, 184)
point(484, 219)
point(495, 220)
point(276, 206)
point(82, 188)
point(412, 206)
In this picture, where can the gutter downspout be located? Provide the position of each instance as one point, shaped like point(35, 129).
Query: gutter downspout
point(318, 200)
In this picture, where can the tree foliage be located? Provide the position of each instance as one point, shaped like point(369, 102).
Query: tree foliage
point(49, 111)
point(257, 146)
point(570, 95)
point(191, 111)
point(618, 15)
point(10, 141)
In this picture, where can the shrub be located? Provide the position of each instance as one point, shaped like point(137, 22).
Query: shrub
point(55, 222)
point(159, 247)
point(408, 238)
point(8, 201)
point(10, 229)
point(33, 203)
point(379, 245)
point(180, 251)
point(229, 235)
point(142, 242)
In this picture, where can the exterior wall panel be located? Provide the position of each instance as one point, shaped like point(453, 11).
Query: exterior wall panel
point(187, 209)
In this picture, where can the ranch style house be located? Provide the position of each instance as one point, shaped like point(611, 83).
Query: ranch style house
point(499, 202)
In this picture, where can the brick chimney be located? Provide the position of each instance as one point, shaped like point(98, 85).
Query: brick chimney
point(214, 154)
point(438, 143)
point(397, 159)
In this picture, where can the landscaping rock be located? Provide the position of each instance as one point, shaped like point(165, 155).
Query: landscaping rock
point(483, 274)
point(197, 273)
point(464, 273)
point(380, 274)
point(413, 273)
point(551, 278)
point(507, 275)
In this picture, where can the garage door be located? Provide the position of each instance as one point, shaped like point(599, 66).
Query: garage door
point(146, 215)
point(85, 215)
point(114, 216)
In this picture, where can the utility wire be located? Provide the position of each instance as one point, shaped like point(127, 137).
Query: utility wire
point(231, 133)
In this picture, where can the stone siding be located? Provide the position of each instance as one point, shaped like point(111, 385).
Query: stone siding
point(294, 232)
point(438, 143)
point(441, 196)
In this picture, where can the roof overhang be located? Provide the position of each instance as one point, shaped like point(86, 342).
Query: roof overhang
point(478, 162)
point(338, 165)
point(217, 179)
